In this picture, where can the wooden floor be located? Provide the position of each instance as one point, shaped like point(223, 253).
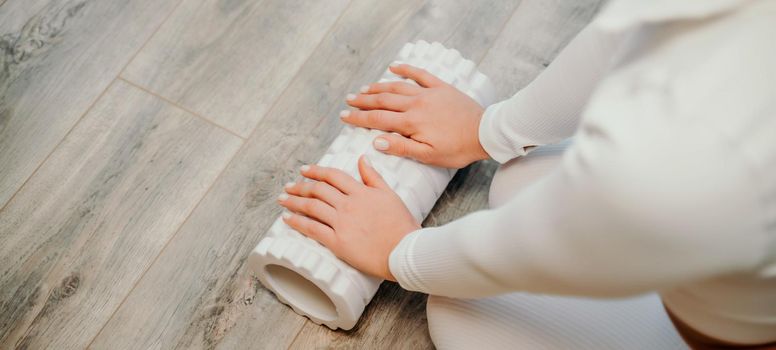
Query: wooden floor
point(142, 144)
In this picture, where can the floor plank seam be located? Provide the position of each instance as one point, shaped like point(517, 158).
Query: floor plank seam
point(78, 121)
point(178, 106)
point(479, 62)
point(89, 108)
point(54, 149)
point(294, 105)
point(239, 150)
point(298, 333)
point(172, 237)
point(290, 81)
point(153, 34)
point(500, 33)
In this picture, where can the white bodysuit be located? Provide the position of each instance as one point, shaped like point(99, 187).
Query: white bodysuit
point(668, 186)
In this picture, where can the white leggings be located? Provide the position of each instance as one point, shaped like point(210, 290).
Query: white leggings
point(529, 321)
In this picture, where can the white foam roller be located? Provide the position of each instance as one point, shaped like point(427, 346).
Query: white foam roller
point(306, 275)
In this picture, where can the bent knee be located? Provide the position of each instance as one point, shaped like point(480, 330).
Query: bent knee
point(519, 173)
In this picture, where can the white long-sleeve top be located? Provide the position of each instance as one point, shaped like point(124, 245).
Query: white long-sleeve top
point(670, 184)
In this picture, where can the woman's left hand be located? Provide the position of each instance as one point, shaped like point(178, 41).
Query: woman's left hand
point(360, 223)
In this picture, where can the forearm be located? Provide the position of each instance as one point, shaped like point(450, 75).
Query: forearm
point(591, 228)
point(548, 109)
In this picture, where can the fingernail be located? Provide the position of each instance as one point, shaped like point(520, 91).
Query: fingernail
point(381, 144)
point(366, 161)
point(304, 168)
point(286, 215)
point(394, 64)
point(364, 89)
point(290, 184)
point(282, 197)
point(350, 97)
point(344, 114)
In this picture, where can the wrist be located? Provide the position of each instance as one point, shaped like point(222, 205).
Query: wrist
point(479, 150)
point(481, 153)
point(387, 274)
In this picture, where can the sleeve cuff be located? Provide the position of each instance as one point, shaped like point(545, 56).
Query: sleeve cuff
point(402, 265)
point(491, 137)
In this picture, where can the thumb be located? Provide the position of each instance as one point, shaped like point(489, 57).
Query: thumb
point(370, 176)
point(401, 146)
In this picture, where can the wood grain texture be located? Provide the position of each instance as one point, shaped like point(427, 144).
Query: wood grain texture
point(230, 60)
point(86, 226)
point(530, 40)
point(395, 319)
point(196, 294)
point(56, 58)
point(537, 32)
point(98, 246)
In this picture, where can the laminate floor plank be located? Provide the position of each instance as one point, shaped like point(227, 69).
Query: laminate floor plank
point(197, 295)
point(230, 60)
point(134, 232)
point(56, 58)
point(533, 37)
point(90, 222)
point(535, 33)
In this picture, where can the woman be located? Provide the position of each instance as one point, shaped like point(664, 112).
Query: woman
point(668, 185)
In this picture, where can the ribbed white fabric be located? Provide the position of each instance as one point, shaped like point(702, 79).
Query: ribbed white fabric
point(309, 277)
point(668, 187)
point(519, 173)
point(554, 100)
point(529, 321)
point(526, 321)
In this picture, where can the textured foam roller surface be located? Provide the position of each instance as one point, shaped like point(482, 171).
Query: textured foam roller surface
point(307, 276)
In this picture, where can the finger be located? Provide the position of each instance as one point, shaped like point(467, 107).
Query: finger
point(311, 207)
point(370, 175)
point(395, 87)
point(378, 119)
point(384, 100)
point(310, 228)
point(419, 75)
point(403, 147)
point(315, 189)
point(335, 177)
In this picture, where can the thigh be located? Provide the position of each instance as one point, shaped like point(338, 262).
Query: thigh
point(530, 321)
point(518, 173)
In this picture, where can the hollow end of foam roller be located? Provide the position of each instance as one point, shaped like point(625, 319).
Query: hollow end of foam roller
point(309, 279)
point(307, 276)
point(301, 292)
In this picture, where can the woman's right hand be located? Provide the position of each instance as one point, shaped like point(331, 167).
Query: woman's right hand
point(434, 123)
